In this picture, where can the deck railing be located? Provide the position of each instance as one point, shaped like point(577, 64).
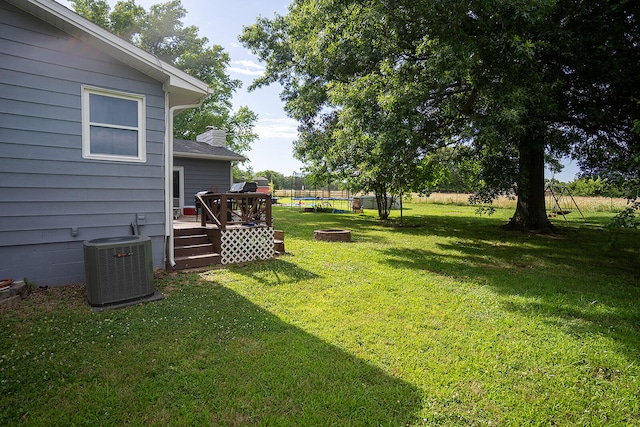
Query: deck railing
point(223, 209)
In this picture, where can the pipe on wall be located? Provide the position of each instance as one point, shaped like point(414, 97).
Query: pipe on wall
point(168, 197)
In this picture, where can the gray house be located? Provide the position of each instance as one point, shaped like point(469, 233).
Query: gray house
point(85, 141)
point(201, 165)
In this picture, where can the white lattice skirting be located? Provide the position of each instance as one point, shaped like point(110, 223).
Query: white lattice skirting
point(246, 244)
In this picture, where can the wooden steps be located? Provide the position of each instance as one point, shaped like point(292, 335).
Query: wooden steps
point(192, 248)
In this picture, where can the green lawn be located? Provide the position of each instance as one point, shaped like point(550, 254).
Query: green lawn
point(441, 320)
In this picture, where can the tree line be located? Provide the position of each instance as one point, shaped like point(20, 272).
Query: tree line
point(455, 182)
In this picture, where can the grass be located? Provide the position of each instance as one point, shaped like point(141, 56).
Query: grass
point(442, 319)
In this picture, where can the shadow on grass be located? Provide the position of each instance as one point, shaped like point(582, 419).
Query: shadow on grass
point(203, 356)
point(581, 281)
point(582, 245)
point(274, 272)
point(267, 372)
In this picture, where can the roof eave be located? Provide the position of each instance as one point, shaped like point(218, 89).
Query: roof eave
point(208, 156)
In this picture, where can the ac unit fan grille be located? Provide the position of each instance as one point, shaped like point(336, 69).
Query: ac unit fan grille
point(123, 270)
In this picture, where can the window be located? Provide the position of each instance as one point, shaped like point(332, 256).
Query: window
point(113, 125)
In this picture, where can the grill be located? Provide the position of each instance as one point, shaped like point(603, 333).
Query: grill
point(243, 187)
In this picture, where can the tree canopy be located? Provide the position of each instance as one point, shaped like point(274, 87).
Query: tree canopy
point(160, 31)
point(380, 86)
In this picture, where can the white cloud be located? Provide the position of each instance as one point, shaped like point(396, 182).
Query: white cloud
point(277, 128)
point(246, 67)
point(244, 71)
point(248, 64)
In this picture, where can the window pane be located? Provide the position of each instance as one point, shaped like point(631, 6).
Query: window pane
point(113, 111)
point(114, 141)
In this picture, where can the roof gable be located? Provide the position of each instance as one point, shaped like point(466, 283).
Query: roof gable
point(183, 88)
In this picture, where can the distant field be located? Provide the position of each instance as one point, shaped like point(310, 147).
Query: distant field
point(592, 204)
point(588, 204)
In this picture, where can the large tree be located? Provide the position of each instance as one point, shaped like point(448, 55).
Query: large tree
point(161, 32)
point(520, 82)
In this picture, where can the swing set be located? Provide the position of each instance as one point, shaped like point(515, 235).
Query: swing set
point(561, 201)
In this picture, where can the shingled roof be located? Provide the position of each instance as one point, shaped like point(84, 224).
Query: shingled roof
point(201, 150)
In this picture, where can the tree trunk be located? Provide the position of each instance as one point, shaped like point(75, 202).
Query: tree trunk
point(531, 214)
point(382, 202)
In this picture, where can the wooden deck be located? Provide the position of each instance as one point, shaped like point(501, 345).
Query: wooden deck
point(232, 209)
point(187, 221)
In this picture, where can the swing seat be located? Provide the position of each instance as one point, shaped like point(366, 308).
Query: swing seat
point(559, 211)
point(561, 200)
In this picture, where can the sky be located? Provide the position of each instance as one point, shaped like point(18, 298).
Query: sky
point(222, 22)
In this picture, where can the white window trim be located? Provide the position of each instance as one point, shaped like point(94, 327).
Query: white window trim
point(86, 125)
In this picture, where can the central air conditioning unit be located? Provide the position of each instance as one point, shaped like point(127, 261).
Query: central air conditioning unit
point(119, 271)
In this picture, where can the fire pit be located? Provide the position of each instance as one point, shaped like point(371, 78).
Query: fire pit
point(332, 235)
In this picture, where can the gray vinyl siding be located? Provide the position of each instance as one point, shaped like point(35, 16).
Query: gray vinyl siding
point(46, 187)
point(204, 175)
